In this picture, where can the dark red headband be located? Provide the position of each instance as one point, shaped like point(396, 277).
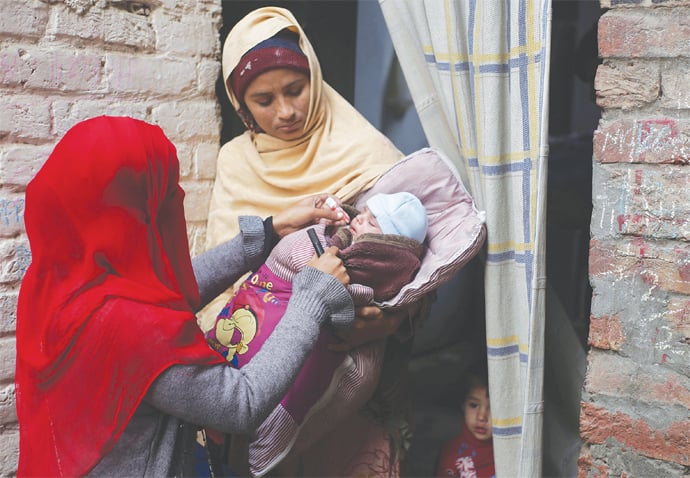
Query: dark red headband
point(276, 52)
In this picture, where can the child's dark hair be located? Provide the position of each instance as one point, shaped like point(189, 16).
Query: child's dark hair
point(475, 377)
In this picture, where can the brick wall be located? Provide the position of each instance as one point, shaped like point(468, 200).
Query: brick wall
point(62, 61)
point(635, 412)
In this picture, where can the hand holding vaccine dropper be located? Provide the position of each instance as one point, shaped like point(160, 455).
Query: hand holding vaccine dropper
point(333, 205)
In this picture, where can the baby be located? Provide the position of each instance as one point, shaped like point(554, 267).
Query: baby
point(382, 248)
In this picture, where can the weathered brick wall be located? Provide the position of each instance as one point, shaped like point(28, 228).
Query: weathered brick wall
point(635, 416)
point(62, 61)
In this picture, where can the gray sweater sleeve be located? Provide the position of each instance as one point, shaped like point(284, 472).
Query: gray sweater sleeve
point(239, 400)
point(220, 267)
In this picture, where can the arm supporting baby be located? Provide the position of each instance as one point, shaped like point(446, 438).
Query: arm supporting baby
point(373, 323)
point(225, 263)
point(238, 400)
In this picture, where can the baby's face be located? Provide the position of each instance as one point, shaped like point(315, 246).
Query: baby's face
point(478, 413)
point(363, 223)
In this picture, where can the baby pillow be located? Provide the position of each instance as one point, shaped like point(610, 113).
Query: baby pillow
point(456, 229)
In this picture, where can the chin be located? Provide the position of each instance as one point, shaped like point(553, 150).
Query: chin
point(280, 134)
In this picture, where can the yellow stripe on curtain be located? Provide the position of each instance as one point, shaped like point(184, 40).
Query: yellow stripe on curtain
point(478, 73)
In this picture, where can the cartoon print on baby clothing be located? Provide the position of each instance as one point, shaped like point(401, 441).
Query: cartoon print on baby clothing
point(235, 333)
point(248, 319)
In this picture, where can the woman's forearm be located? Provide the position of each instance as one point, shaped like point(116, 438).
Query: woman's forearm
point(239, 400)
point(219, 268)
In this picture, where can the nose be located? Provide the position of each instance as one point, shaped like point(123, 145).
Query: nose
point(285, 110)
point(483, 414)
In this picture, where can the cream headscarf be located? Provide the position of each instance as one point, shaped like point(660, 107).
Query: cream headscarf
point(340, 152)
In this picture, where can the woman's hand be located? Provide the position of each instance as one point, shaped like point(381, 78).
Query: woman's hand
point(307, 212)
point(331, 264)
point(371, 323)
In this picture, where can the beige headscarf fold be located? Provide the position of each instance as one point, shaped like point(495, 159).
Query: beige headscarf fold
point(340, 152)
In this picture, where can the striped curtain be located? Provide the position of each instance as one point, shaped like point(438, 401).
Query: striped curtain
point(478, 74)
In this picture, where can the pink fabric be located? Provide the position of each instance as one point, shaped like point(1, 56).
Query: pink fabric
point(456, 229)
point(246, 322)
point(281, 435)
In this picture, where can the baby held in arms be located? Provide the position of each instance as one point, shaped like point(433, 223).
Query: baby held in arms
point(381, 247)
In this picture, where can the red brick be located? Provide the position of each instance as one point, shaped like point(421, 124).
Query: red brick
point(584, 463)
point(621, 377)
point(606, 260)
point(657, 203)
point(609, 374)
point(672, 444)
point(627, 85)
point(670, 391)
point(637, 33)
point(606, 332)
point(650, 202)
point(647, 140)
point(657, 264)
point(668, 268)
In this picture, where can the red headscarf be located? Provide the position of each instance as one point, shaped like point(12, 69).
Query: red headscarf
point(106, 304)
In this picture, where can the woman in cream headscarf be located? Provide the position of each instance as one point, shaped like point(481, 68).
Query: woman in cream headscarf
point(302, 138)
point(337, 151)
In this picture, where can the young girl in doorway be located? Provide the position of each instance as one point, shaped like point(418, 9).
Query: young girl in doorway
point(471, 453)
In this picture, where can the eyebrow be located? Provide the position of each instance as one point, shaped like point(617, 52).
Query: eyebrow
point(477, 398)
point(260, 94)
point(294, 82)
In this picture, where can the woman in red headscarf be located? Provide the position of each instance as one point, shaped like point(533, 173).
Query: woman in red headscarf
point(113, 374)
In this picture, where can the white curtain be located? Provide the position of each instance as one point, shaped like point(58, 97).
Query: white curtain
point(478, 74)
